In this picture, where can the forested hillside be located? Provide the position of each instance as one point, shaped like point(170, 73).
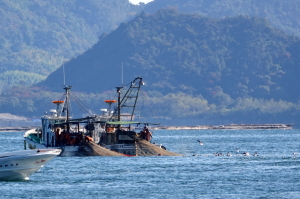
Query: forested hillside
point(284, 15)
point(237, 68)
point(37, 36)
point(236, 56)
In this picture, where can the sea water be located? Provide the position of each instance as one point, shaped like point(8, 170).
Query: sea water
point(274, 173)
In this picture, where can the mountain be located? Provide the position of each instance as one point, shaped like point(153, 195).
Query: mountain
point(281, 14)
point(175, 52)
point(238, 69)
point(38, 36)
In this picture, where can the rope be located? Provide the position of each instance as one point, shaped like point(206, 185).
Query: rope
point(150, 107)
point(81, 104)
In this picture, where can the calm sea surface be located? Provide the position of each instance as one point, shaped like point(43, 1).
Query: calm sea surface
point(199, 174)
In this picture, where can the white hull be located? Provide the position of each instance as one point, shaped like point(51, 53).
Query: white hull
point(66, 150)
point(19, 165)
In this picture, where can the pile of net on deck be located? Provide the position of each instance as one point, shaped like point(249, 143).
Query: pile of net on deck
point(143, 148)
point(101, 151)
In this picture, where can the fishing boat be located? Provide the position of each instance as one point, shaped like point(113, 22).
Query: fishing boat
point(59, 131)
point(115, 132)
point(123, 133)
point(19, 165)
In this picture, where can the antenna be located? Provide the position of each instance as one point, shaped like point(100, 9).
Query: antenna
point(122, 74)
point(64, 73)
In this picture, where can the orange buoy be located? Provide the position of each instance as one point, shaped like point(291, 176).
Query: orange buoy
point(57, 102)
point(110, 101)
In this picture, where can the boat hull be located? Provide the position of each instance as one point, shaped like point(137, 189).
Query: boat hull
point(66, 150)
point(19, 165)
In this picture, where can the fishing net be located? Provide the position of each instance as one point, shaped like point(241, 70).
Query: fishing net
point(101, 151)
point(145, 148)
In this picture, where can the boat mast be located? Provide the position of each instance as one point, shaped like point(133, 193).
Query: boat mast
point(119, 102)
point(67, 88)
point(131, 96)
point(129, 99)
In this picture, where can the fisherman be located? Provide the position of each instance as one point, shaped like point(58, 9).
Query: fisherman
point(57, 137)
point(68, 138)
point(143, 133)
point(63, 138)
point(148, 134)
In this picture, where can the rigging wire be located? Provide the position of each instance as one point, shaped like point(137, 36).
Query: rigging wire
point(150, 107)
point(142, 106)
point(63, 105)
point(81, 105)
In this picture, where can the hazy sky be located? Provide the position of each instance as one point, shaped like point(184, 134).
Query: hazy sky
point(137, 1)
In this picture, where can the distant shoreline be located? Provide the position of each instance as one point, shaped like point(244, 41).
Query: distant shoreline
point(198, 127)
point(14, 129)
point(231, 127)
